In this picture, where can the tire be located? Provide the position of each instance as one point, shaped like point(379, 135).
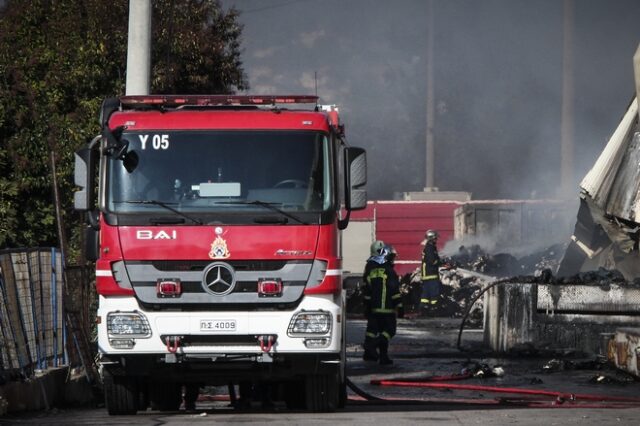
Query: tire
point(120, 395)
point(143, 395)
point(165, 396)
point(342, 394)
point(322, 392)
point(294, 395)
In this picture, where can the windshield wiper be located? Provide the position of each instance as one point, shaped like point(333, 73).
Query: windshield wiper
point(271, 219)
point(166, 206)
point(270, 206)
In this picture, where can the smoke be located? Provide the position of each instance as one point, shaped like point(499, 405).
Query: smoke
point(518, 228)
point(493, 244)
point(489, 244)
point(497, 77)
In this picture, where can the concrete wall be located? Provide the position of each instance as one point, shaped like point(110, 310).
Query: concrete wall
point(38, 393)
point(576, 317)
point(356, 242)
point(509, 317)
point(53, 387)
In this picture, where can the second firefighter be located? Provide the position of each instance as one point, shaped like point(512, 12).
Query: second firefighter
point(430, 275)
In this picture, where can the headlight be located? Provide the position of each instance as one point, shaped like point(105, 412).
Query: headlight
point(130, 324)
point(304, 323)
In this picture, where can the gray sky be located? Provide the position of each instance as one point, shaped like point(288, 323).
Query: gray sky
point(498, 75)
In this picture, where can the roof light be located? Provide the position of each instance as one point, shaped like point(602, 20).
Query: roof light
point(215, 100)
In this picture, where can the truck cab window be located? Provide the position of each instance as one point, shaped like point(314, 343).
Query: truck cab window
point(204, 171)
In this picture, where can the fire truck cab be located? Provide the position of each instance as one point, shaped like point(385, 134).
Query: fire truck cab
point(214, 223)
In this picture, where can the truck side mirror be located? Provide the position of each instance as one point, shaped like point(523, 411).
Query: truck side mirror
point(356, 194)
point(84, 199)
point(355, 177)
point(91, 243)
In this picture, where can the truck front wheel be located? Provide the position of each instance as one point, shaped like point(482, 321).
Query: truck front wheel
point(165, 396)
point(120, 395)
point(322, 392)
point(294, 395)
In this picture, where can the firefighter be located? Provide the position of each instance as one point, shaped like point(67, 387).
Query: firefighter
point(430, 276)
point(382, 302)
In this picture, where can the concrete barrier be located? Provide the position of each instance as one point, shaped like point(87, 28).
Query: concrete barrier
point(47, 389)
point(567, 317)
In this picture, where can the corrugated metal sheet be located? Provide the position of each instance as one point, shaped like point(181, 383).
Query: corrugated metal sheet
point(624, 197)
point(401, 224)
point(614, 181)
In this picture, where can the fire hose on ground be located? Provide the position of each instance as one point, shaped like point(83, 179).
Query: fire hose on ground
point(529, 398)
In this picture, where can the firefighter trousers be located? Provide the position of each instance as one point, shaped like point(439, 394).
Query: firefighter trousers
point(430, 293)
point(381, 326)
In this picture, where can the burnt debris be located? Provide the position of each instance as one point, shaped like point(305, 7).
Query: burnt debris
point(472, 268)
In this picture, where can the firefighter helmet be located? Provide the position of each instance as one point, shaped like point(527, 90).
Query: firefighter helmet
point(391, 253)
point(431, 235)
point(377, 247)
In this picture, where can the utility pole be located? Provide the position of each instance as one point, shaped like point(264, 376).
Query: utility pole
point(139, 48)
point(430, 144)
point(636, 73)
point(567, 117)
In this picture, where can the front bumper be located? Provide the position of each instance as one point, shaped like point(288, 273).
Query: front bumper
point(180, 334)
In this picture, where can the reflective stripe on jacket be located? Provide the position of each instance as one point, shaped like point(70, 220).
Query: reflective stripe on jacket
point(382, 287)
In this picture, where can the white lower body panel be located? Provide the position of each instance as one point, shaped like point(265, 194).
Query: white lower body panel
point(251, 323)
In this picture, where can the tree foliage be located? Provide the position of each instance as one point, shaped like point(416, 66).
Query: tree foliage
point(58, 60)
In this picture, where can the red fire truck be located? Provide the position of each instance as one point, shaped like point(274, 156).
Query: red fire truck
point(214, 222)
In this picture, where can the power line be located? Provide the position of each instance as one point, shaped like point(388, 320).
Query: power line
point(273, 6)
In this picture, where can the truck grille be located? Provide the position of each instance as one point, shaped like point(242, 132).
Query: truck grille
point(199, 265)
point(203, 288)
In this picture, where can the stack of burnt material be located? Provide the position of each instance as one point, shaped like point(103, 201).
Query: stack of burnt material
point(500, 265)
point(470, 269)
point(458, 290)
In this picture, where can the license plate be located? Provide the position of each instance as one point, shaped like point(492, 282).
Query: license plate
point(217, 325)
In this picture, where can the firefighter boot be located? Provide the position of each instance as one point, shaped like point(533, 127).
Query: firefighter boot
point(384, 355)
point(425, 308)
point(370, 353)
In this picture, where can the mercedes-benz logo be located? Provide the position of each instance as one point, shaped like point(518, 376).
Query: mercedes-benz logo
point(219, 279)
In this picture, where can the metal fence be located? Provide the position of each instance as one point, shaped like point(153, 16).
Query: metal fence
point(32, 327)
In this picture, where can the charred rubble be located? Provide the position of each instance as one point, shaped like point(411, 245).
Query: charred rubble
point(469, 270)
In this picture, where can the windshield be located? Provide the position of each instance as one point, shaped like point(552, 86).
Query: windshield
point(191, 173)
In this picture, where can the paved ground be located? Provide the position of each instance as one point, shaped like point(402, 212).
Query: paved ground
point(427, 347)
point(424, 348)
